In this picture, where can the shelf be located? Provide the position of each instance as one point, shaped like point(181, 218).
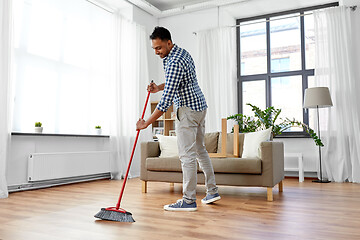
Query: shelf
point(166, 121)
point(57, 134)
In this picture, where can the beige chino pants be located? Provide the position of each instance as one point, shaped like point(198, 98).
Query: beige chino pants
point(190, 132)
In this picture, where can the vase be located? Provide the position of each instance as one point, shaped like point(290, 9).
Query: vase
point(38, 129)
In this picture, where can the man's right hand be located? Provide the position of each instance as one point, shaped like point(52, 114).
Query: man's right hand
point(153, 88)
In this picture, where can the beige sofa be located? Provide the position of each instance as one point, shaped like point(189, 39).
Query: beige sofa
point(230, 170)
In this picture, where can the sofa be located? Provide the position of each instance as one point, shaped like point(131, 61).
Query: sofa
point(230, 169)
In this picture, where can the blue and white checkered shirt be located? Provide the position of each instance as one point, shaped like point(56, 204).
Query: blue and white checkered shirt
point(181, 85)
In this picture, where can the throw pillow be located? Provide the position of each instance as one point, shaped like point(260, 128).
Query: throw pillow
point(168, 146)
point(211, 142)
point(252, 143)
point(229, 143)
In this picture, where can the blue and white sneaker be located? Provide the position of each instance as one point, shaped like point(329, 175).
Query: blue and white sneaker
point(181, 205)
point(210, 198)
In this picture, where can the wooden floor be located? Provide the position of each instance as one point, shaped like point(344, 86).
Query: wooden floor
point(303, 211)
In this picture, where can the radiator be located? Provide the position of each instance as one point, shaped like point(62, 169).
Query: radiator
point(49, 166)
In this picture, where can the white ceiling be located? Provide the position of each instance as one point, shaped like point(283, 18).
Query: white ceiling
point(236, 8)
point(161, 8)
point(163, 5)
point(253, 8)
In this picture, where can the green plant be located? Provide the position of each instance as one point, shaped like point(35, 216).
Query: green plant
point(267, 118)
point(246, 123)
point(38, 124)
point(98, 127)
point(307, 129)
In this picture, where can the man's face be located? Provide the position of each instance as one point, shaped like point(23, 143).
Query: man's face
point(162, 48)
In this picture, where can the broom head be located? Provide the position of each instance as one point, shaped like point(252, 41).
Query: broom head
point(113, 214)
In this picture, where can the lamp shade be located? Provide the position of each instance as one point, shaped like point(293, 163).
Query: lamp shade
point(317, 97)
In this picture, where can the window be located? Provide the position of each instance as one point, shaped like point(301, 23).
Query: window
point(253, 48)
point(280, 64)
point(276, 62)
point(254, 93)
point(61, 66)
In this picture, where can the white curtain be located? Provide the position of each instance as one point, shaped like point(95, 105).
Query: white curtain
point(128, 95)
point(337, 32)
point(216, 71)
point(5, 93)
point(61, 66)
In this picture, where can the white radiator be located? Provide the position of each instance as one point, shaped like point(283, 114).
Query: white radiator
point(49, 166)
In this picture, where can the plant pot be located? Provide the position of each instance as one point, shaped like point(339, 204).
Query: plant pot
point(38, 129)
point(98, 131)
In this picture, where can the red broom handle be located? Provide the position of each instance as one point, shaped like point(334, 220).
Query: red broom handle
point(132, 155)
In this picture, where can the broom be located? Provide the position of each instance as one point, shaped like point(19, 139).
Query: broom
point(116, 213)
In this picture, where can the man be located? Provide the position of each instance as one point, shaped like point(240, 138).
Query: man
point(181, 87)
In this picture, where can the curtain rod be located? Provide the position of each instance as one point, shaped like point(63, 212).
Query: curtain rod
point(100, 6)
point(353, 8)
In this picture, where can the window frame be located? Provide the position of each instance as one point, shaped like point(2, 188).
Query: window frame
point(305, 73)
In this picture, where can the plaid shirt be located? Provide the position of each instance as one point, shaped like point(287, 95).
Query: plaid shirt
point(181, 86)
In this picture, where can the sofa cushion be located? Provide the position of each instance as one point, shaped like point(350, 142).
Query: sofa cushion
point(220, 165)
point(171, 164)
point(168, 146)
point(237, 165)
point(229, 144)
point(211, 142)
point(241, 143)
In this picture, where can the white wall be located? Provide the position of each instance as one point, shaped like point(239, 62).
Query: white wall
point(261, 7)
point(350, 3)
point(182, 28)
point(307, 147)
point(149, 22)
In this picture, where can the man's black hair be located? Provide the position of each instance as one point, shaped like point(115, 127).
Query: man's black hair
point(161, 33)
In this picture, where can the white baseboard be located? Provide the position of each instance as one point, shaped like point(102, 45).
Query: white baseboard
point(57, 182)
point(296, 174)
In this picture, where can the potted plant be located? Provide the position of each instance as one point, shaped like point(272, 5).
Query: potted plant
point(38, 127)
point(264, 119)
point(98, 130)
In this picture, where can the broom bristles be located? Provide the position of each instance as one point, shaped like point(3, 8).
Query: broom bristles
point(114, 216)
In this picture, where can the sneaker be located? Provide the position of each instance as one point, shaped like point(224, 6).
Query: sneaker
point(210, 198)
point(181, 205)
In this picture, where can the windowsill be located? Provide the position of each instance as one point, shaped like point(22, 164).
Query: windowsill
point(293, 135)
point(57, 135)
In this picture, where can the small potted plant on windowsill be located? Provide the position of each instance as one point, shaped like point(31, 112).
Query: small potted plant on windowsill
point(98, 130)
point(38, 127)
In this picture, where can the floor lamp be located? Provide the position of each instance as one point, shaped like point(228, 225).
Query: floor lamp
point(318, 97)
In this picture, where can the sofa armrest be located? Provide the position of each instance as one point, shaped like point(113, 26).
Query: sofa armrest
point(148, 149)
point(272, 157)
